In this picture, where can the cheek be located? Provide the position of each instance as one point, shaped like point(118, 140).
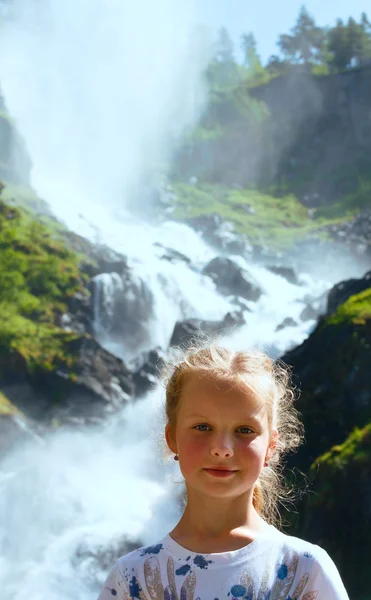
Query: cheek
point(252, 451)
point(192, 450)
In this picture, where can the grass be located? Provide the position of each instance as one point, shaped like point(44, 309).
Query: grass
point(38, 275)
point(265, 219)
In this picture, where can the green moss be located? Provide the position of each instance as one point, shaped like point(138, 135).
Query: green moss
point(38, 274)
point(338, 511)
point(355, 451)
point(356, 310)
point(275, 221)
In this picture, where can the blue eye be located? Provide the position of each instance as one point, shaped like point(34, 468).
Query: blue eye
point(202, 427)
point(245, 430)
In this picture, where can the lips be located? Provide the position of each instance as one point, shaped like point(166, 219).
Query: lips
point(220, 471)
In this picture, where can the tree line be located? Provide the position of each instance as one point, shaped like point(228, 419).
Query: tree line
point(322, 50)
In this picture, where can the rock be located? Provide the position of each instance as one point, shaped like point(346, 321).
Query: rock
point(173, 255)
point(147, 370)
point(309, 313)
point(230, 278)
point(341, 484)
point(80, 316)
point(343, 290)
point(220, 233)
point(288, 322)
point(96, 383)
point(332, 369)
point(287, 273)
point(194, 329)
point(123, 308)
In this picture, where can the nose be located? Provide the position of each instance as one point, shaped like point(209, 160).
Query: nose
point(221, 447)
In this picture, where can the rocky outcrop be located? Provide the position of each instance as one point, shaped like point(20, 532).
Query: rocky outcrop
point(15, 164)
point(51, 367)
point(332, 369)
point(220, 234)
point(194, 329)
point(287, 273)
point(337, 515)
point(343, 290)
point(95, 384)
point(354, 234)
point(231, 279)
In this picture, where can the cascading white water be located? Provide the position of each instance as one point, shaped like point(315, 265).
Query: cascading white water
point(98, 90)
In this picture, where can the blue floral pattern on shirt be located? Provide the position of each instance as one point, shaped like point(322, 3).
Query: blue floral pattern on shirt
point(283, 587)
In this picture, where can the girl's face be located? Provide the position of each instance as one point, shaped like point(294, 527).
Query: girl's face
point(222, 437)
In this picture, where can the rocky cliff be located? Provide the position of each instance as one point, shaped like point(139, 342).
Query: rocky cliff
point(332, 368)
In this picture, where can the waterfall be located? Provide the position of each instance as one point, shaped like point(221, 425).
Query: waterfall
point(100, 90)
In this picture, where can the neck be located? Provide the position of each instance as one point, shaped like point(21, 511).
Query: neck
point(225, 523)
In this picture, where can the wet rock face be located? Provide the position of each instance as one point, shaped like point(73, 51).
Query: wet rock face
point(288, 322)
point(287, 273)
point(343, 290)
point(195, 329)
point(220, 234)
point(97, 384)
point(231, 279)
point(354, 234)
point(123, 307)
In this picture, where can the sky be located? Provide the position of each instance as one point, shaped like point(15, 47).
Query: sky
point(267, 19)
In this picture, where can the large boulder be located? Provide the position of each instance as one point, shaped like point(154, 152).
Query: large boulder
point(287, 273)
point(231, 279)
point(195, 329)
point(86, 386)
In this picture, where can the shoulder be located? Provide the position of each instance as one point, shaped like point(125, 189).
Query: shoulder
point(303, 549)
point(313, 560)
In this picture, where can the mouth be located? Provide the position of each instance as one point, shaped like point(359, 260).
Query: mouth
point(220, 471)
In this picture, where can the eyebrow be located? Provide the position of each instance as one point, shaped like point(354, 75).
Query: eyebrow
point(251, 418)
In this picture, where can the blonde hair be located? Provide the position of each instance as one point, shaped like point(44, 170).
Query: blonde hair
point(255, 371)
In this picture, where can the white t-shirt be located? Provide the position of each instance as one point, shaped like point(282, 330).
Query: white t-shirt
point(274, 566)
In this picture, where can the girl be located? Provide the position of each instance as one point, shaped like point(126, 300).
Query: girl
point(230, 418)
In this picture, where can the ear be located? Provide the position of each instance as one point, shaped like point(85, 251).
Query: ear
point(170, 438)
point(272, 444)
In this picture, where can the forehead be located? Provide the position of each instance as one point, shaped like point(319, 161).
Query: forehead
point(204, 393)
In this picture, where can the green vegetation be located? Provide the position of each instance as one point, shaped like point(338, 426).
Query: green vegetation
point(340, 461)
point(263, 218)
point(321, 50)
point(338, 511)
point(38, 274)
point(356, 310)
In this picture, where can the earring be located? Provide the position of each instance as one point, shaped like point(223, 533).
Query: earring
point(176, 457)
point(266, 463)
